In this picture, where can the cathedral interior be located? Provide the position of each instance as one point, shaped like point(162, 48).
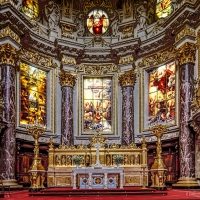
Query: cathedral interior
point(70, 69)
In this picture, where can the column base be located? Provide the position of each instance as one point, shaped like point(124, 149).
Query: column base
point(12, 183)
point(186, 183)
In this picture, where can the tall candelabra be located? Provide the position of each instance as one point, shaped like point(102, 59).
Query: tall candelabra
point(158, 168)
point(37, 170)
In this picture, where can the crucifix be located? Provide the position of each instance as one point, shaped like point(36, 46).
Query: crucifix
point(97, 140)
point(97, 145)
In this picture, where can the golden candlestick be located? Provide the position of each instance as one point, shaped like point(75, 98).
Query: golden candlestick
point(144, 163)
point(37, 170)
point(158, 168)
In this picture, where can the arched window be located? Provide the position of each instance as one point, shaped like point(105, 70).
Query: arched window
point(33, 95)
point(162, 95)
point(163, 8)
point(97, 99)
point(30, 8)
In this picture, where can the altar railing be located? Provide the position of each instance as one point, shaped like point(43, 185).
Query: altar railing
point(60, 162)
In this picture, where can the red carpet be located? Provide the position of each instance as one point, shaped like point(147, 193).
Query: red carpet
point(173, 194)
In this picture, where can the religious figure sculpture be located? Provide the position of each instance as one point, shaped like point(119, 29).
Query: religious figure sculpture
point(114, 24)
point(142, 21)
point(79, 21)
point(52, 15)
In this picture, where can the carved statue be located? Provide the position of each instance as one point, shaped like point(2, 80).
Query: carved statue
point(52, 15)
point(142, 16)
point(63, 160)
point(79, 21)
point(114, 24)
point(174, 5)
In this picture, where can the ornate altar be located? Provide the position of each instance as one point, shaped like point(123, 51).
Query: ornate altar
point(90, 178)
point(61, 163)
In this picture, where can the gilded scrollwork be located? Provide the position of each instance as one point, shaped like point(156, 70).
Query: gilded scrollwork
point(114, 146)
point(128, 78)
point(51, 143)
point(68, 60)
point(186, 31)
point(126, 59)
point(97, 138)
point(82, 147)
point(67, 31)
point(132, 180)
point(158, 57)
point(8, 55)
point(62, 146)
point(37, 58)
point(67, 79)
point(97, 69)
point(186, 53)
point(7, 31)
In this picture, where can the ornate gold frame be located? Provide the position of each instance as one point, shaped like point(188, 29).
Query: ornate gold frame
point(46, 64)
point(151, 62)
point(81, 77)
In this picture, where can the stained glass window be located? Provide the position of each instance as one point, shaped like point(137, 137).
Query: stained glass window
point(30, 8)
point(162, 95)
point(97, 22)
point(97, 100)
point(33, 95)
point(163, 8)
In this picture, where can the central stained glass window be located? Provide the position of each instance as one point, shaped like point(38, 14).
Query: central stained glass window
point(97, 22)
point(97, 108)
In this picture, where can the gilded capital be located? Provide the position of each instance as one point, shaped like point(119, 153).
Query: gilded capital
point(186, 53)
point(8, 54)
point(128, 78)
point(67, 79)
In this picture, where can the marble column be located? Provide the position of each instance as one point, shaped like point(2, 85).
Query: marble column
point(67, 82)
point(127, 82)
point(8, 86)
point(186, 58)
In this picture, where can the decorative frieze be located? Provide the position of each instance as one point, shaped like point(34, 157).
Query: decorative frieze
point(158, 58)
point(37, 58)
point(97, 69)
point(186, 53)
point(126, 59)
point(127, 32)
point(8, 54)
point(67, 79)
point(186, 31)
point(67, 31)
point(68, 60)
point(7, 31)
point(128, 78)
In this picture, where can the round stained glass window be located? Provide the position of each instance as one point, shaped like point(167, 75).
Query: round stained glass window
point(97, 22)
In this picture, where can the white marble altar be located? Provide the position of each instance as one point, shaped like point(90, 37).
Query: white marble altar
point(90, 178)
